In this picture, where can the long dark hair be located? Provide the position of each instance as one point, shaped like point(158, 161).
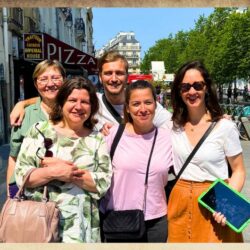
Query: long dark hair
point(140, 84)
point(180, 113)
point(65, 90)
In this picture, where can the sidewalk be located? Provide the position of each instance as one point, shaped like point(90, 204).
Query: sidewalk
point(246, 188)
point(4, 151)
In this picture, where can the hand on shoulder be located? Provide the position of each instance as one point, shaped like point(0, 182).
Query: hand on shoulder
point(105, 130)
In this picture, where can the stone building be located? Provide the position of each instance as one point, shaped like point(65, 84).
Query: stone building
point(65, 34)
point(126, 44)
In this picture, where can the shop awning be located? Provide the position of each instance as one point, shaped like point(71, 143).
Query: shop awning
point(40, 46)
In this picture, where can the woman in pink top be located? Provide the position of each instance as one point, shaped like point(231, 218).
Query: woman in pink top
point(130, 163)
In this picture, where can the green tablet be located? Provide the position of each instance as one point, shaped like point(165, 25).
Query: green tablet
point(220, 197)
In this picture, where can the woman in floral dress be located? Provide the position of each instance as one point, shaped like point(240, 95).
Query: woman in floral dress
point(79, 172)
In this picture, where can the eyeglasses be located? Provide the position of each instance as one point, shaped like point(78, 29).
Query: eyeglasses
point(47, 144)
point(55, 79)
point(198, 86)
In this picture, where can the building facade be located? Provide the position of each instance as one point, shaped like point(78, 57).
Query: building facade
point(126, 44)
point(67, 35)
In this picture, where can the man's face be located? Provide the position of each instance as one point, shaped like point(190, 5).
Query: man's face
point(114, 77)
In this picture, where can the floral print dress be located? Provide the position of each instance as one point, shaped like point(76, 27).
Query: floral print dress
point(79, 215)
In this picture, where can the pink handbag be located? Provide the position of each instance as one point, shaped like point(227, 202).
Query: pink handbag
point(28, 221)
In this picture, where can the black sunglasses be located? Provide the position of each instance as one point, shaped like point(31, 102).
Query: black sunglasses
point(47, 144)
point(198, 86)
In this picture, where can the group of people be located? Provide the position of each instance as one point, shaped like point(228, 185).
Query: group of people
point(76, 165)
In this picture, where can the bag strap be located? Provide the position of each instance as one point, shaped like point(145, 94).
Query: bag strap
point(150, 156)
point(116, 140)
point(113, 148)
point(147, 171)
point(111, 109)
point(20, 192)
point(203, 138)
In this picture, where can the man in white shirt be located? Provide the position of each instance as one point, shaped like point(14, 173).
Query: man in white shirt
point(113, 75)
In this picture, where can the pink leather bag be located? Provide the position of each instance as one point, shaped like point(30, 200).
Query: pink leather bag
point(28, 221)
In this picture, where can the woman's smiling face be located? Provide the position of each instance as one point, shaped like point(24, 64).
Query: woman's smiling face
point(141, 107)
point(48, 83)
point(193, 98)
point(77, 108)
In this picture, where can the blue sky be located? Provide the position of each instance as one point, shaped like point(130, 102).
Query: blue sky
point(149, 24)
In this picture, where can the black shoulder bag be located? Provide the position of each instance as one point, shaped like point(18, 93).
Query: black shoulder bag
point(126, 224)
point(170, 184)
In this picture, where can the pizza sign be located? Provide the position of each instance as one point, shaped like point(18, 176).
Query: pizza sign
point(43, 46)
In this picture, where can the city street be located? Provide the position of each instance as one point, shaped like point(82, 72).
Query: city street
point(246, 190)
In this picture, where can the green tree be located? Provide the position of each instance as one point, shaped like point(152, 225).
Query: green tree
point(161, 51)
point(221, 40)
point(228, 55)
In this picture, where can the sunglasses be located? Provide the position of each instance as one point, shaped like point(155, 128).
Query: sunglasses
point(47, 144)
point(198, 86)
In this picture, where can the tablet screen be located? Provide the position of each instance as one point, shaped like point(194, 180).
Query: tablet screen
point(221, 198)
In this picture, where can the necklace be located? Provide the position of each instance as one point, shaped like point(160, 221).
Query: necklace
point(192, 127)
point(198, 125)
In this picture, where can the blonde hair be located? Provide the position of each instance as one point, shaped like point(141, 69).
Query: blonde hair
point(44, 65)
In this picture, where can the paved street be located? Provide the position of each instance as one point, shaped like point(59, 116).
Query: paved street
point(246, 190)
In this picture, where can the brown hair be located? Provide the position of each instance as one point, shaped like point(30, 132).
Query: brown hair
point(111, 56)
point(140, 84)
point(63, 93)
point(180, 113)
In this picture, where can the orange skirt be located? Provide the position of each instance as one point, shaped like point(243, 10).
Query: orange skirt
point(190, 222)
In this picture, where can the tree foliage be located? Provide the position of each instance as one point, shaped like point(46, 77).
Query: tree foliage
point(221, 41)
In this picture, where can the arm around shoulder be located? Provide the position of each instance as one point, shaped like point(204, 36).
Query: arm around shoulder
point(162, 116)
point(18, 112)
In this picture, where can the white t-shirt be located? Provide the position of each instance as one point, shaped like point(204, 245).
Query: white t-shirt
point(209, 162)
point(162, 116)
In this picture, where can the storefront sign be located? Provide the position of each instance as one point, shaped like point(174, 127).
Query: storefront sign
point(33, 46)
point(55, 49)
